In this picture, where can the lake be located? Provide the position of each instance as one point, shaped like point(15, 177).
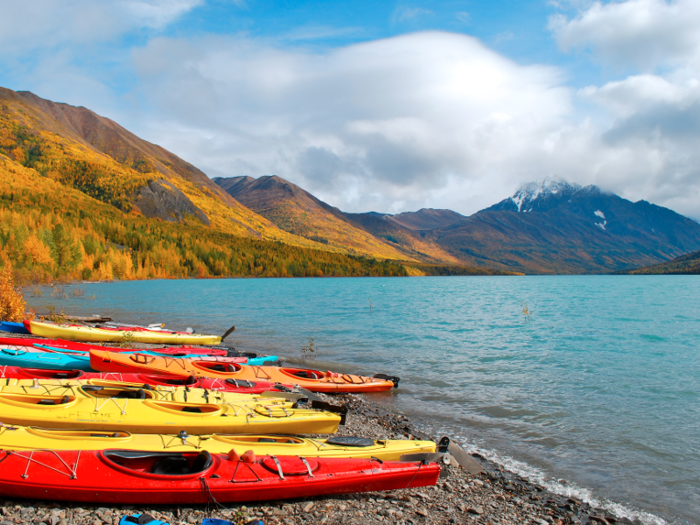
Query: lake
point(589, 384)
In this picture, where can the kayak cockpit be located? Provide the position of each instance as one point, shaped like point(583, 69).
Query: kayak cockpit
point(221, 368)
point(159, 463)
point(118, 392)
point(170, 381)
point(41, 373)
point(246, 439)
point(39, 401)
point(303, 373)
point(78, 435)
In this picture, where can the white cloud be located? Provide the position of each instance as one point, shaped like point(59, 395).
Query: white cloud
point(639, 33)
point(464, 17)
point(653, 118)
point(394, 119)
point(30, 25)
point(401, 14)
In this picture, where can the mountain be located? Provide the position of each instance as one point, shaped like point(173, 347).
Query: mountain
point(297, 211)
point(556, 227)
point(685, 265)
point(95, 155)
point(408, 241)
point(426, 219)
point(83, 198)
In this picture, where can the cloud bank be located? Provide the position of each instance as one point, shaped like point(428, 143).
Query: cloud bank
point(390, 125)
point(430, 119)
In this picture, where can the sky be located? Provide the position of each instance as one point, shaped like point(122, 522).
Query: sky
point(386, 106)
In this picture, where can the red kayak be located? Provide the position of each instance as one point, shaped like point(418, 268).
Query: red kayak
point(239, 386)
point(166, 478)
point(75, 346)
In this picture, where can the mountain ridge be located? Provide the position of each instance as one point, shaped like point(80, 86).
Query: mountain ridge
point(297, 211)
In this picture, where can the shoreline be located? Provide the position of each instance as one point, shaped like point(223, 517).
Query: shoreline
point(493, 497)
point(504, 497)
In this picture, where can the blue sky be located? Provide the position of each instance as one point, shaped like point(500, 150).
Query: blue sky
point(386, 106)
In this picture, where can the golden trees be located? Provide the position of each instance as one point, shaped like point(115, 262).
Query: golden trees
point(12, 302)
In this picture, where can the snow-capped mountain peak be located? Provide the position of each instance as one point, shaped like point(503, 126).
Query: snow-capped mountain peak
point(525, 198)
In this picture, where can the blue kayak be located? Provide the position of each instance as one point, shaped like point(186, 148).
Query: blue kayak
point(46, 360)
point(15, 328)
point(254, 361)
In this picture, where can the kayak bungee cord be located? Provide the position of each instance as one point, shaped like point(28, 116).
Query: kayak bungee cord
point(72, 471)
point(122, 410)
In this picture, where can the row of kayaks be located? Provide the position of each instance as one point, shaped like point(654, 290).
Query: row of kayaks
point(115, 442)
point(179, 364)
point(183, 426)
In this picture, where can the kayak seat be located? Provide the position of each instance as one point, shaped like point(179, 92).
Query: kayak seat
point(172, 466)
point(307, 374)
point(202, 462)
point(240, 382)
point(178, 465)
point(132, 394)
point(194, 410)
point(52, 402)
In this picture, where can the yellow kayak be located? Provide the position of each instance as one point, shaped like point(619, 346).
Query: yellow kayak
point(138, 335)
point(112, 388)
point(137, 410)
point(30, 438)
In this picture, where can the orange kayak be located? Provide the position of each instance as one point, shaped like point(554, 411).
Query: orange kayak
point(313, 380)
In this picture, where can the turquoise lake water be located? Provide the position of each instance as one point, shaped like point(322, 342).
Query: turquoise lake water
point(595, 392)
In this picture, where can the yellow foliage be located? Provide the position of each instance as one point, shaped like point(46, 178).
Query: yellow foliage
point(37, 251)
point(12, 302)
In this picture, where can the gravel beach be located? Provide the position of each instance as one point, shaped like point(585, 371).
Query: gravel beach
point(492, 497)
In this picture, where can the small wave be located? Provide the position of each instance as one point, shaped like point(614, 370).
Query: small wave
point(563, 487)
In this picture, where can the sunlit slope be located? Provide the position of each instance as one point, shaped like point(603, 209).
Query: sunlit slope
point(95, 155)
point(52, 231)
point(410, 242)
point(297, 211)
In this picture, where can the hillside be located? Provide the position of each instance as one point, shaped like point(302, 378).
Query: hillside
point(297, 211)
point(427, 219)
point(555, 227)
point(50, 231)
point(408, 241)
point(83, 198)
point(685, 265)
point(80, 149)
